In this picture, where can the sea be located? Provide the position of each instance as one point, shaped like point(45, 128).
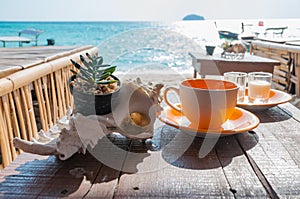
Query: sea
point(137, 44)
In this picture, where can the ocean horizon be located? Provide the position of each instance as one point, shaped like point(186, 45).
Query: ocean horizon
point(128, 43)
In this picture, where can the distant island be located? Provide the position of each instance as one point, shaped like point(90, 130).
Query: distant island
point(193, 17)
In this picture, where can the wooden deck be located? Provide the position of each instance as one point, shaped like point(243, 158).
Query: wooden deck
point(16, 59)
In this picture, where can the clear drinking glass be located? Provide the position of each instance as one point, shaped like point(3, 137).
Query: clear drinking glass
point(259, 85)
point(240, 79)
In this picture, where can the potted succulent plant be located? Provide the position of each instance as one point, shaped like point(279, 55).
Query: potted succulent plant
point(93, 85)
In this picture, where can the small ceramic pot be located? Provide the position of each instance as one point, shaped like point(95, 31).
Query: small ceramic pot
point(210, 50)
point(91, 104)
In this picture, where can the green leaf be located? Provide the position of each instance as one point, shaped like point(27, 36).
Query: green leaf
point(84, 72)
point(89, 68)
point(87, 64)
point(103, 65)
point(103, 76)
point(73, 72)
point(78, 66)
point(84, 78)
point(89, 56)
point(94, 61)
point(110, 69)
point(100, 60)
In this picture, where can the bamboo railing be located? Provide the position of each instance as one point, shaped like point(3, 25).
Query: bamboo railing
point(286, 76)
point(33, 99)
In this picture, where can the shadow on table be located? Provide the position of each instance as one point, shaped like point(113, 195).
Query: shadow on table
point(273, 115)
point(183, 150)
point(99, 169)
point(51, 177)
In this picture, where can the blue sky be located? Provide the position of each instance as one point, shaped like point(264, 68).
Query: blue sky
point(149, 10)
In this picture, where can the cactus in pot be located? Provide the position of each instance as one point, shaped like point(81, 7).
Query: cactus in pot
point(93, 85)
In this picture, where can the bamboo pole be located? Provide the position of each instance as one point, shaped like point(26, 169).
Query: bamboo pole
point(6, 152)
point(16, 130)
point(47, 103)
point(6, 86)
point(59, 94)
point(61, 86)
point(66, 86)
point(5, 103)
point(40, 104)
point(54, 97)
point(30, 111)
point(42, 101)
point(17, 97)
point(26, 76)
point(58, 64)
point(50, 98)
point(26, 110)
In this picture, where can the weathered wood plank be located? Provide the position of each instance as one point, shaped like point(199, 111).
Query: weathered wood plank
point(51, 177)
point(16, 59)
point(240, 175)
point(289, 109)
point(277, 152)
point(106, 181)
point(166, 173)
point(73, 178)
point(20, 178)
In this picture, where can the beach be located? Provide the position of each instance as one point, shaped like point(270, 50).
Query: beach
point(155, 74)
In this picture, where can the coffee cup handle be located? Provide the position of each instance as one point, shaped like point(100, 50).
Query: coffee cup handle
point(176, 90)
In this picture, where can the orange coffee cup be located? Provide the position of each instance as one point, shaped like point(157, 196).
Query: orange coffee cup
point(206, 103)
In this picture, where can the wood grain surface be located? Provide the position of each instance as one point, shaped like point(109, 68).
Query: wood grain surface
point(261, 163)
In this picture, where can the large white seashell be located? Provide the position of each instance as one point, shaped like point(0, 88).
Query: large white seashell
point(134, 97)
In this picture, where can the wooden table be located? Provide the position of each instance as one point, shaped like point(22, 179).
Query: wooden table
point(216, 65)
point(262, 163)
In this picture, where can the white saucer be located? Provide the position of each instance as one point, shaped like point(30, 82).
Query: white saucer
point(276, 97)
point(240, 121)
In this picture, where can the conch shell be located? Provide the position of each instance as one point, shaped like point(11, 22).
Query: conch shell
point(134, 111)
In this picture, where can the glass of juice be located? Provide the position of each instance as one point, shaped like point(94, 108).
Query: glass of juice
point(240, 78)
point(259, 85)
